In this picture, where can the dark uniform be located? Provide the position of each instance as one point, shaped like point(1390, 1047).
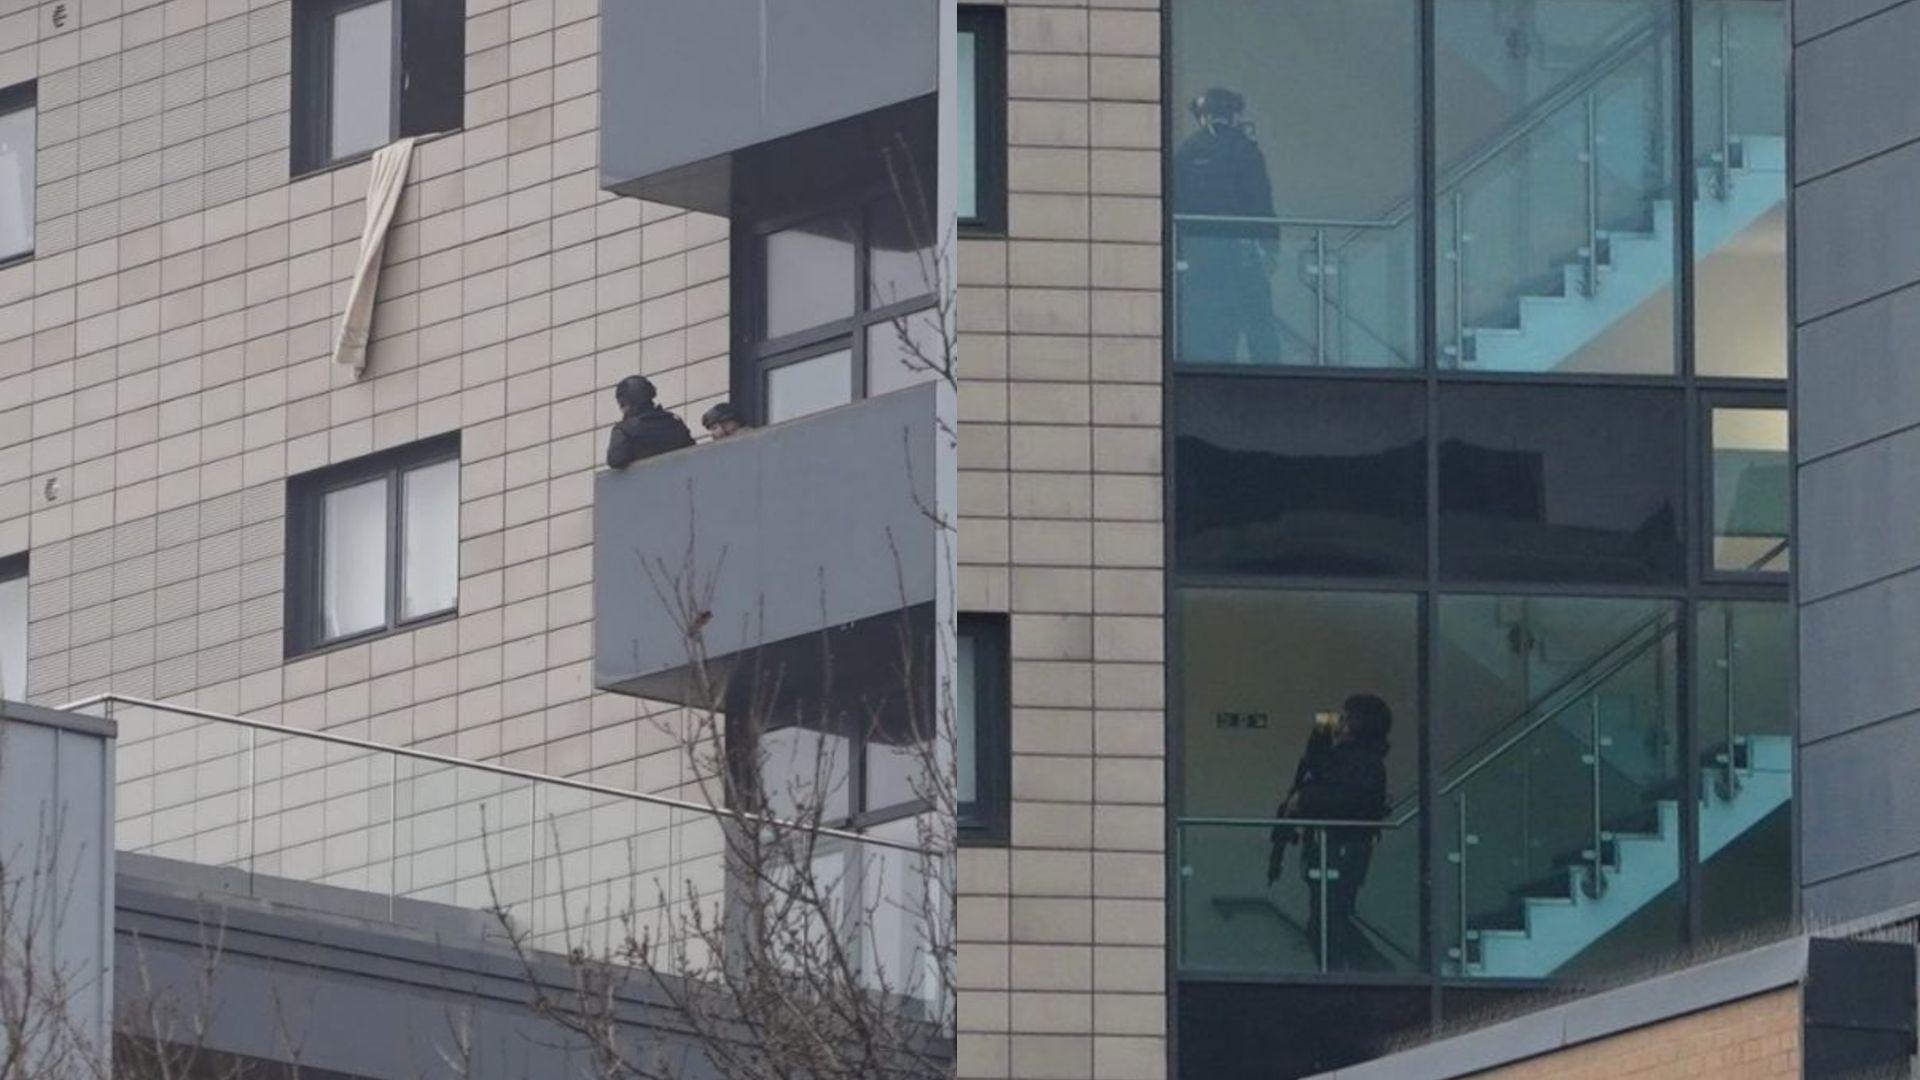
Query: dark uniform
point(1225, 297)
point(1336, 780)
point(643, 433)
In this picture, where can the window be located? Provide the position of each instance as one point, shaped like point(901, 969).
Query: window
point(1750, 489)
point(1568, 485)
point(366, 72)
point(1294, 227)
point(1300, 477)
point(373, 545)
point(13, 628)
point(16, 171)
point(981, 727)
point(1557, 758)
point(982, 120)
point(843, 307)
point(1270, 681)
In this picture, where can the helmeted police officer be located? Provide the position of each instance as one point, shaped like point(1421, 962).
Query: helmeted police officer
point(1219, 174)
point(644, 429)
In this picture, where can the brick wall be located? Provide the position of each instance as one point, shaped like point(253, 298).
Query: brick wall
point(1063, 968)
point(1757, 1038)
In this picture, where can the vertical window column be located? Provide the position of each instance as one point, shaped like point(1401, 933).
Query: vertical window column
point(17, 176)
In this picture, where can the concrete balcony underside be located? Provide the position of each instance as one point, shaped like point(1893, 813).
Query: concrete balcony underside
point(794, 551)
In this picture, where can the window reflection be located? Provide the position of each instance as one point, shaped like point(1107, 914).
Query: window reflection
point(431, 545)
point(16, 181)
point(353, 559)
point(362, 83)
point(13, 632)
point(1744, 717)
point(808, 386)
point(1300, 477)
point(1548, 484)
point(809, 276)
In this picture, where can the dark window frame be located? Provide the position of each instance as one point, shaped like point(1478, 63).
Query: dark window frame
point(756, 355)
point(985, 820)
point(305, 501)
point(428, 64)
point(988, 25)
point(15, 567)
point(24, 97)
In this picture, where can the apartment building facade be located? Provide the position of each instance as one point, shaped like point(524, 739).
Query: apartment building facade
point(1384, 390)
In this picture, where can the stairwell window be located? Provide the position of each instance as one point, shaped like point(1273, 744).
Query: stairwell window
point(13, 628)
point(366, 72)
point(17, 134)
point(373, 545)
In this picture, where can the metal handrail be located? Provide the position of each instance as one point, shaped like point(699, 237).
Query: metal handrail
point(499, 770)
point(1666, 624)
point(1293, 823)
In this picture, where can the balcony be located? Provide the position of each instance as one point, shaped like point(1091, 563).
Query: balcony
point(792, 545)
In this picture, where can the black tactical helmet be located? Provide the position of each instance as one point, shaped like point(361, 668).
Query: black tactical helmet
point(634, 391)
point(1220, 102)
point(720, 414)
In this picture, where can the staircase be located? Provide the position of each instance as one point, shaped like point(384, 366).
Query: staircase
point(1638, 867)
point(1631, 268)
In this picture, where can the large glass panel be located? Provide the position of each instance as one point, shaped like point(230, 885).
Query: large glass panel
point(13, 638)
point(1299, 709)
point(1300, 477)
point(1750, 490)
point(16, 182)
point(810, 385)
point(1246, 1031)
point(430, 545)
point(1554, 181)
point(900, 253)
point(904, 351)
point(1740, 176)
point(353, 559)
point(1296, 246)
point(361, 109)
point(809, 276)
point(967, 121)
point(1561, 484)
point(1743, 692)
point(1557, 814)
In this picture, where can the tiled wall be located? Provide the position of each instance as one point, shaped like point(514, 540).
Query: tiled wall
point(164, 358)
point(1757, 1038)
point(1062, 972)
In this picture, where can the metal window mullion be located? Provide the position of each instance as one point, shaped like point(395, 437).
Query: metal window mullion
point(1427, 301)
point(1696, 526)
point(862, 297)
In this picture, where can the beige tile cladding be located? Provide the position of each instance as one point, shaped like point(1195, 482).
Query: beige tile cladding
point(1757, 1038)
point(164, 357)
point(1062, 963)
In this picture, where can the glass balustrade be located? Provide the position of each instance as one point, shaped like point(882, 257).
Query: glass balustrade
point(563, 864)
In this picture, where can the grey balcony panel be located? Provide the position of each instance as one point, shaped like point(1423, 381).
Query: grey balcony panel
point(763, 538)
point(685, 84)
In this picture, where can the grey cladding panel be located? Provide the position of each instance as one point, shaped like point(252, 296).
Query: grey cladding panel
point(1812, 17)
point(1860, 657)
point(691, 81)
point(1854, 91)
point(1856, 379)
point(1863, 892)
point(799, 527)
point(1857, 233)
point(1860, 800)
point(1859, 515)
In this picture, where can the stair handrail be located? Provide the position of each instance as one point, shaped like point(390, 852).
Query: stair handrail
point(1570, 692)
point(1573, 89)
